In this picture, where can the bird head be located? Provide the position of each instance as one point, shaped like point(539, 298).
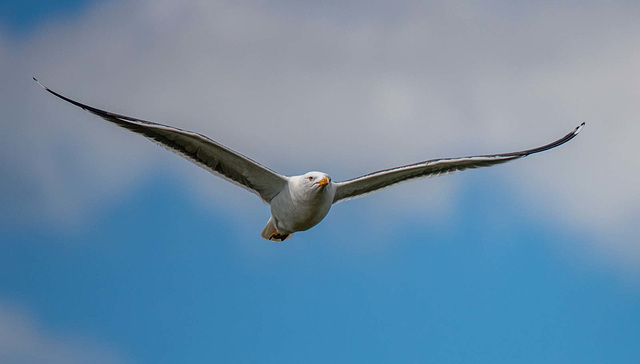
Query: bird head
point(316, 179)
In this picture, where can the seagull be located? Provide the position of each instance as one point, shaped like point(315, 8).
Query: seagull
point(297, 203)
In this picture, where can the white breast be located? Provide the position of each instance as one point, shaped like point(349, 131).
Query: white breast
point(299, 208)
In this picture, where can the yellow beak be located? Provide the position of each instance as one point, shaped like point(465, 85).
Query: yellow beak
point(323, 182)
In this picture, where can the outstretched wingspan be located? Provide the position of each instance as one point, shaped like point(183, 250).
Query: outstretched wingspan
point(375, 181)
point(214, 157)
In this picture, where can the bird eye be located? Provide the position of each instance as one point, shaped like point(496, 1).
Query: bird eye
point(310, 178)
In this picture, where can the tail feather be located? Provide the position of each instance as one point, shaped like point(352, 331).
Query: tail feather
point(269, 229)
point(271, 233)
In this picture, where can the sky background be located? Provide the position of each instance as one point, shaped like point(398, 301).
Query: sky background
point(114, 250)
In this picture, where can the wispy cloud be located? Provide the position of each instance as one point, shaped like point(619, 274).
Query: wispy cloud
point(24, 340)
point(381, 86)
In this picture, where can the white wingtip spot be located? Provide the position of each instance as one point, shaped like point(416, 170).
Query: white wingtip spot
point(579, 128)
point(41, 85)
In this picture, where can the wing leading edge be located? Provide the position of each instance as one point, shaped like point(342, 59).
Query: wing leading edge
point(375, 181)
point(199, 149)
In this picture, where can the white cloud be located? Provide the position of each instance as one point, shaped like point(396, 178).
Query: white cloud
point(406, 82)
point(24, 340)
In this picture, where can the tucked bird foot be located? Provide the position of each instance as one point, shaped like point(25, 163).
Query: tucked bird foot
point(278, 237)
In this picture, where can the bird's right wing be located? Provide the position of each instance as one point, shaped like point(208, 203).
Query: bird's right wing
point(214, 157)
point(375, 181)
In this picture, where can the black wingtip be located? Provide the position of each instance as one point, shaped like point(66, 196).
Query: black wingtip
point(551, 145)
point(41, 85)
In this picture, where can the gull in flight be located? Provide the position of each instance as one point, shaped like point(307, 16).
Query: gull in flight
point(298, 203)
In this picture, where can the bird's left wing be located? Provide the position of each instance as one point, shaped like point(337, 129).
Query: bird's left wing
point(212, 156)
point(375, 181)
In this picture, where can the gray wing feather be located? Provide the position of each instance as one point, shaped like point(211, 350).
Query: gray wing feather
point(206, 153)
point(376, 181)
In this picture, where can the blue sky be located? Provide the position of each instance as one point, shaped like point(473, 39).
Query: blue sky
point(113, 249)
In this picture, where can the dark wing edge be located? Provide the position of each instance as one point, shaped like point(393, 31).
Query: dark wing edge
point(379, 180)
point(199, 149)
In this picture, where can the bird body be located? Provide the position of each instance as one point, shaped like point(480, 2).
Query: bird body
point(298, 203)
point(302, 204)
